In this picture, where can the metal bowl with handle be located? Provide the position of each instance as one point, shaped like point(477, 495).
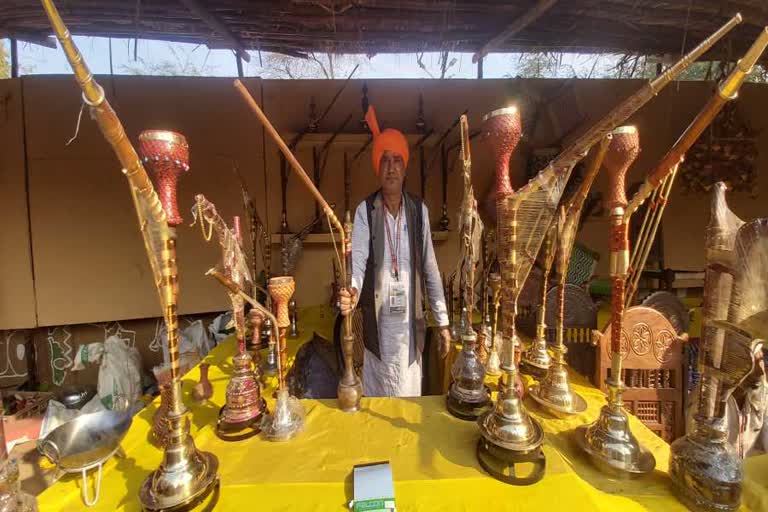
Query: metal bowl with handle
point(87, 442)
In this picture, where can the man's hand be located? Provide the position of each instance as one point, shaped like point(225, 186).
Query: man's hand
point(347, 300)
point(445, 342)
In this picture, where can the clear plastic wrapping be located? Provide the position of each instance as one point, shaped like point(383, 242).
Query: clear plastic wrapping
point(233, 262)
point(735, 302)
point(286, 421)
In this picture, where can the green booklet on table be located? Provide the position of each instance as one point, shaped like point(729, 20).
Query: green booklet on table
point(373, 487)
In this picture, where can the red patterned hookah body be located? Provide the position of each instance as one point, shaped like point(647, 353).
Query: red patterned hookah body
point(167, 153)
point(244, 404)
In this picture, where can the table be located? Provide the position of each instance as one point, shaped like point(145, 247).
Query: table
point(432, 456)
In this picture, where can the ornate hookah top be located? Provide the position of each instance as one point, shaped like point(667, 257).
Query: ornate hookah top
point(166, 154)
point(502, 130)
point(281, 290)
point(622, 151)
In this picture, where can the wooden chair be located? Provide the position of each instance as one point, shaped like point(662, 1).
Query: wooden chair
point(653, 369)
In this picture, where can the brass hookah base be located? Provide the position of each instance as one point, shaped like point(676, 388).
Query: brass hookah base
point(186, 475)
point(468, 396)
point(510, 438)
point(467, 404)
point(554, 392)
point(240, 417)
point(610, 443)
point(349, 394)
point(705, 470)
point(536, 360)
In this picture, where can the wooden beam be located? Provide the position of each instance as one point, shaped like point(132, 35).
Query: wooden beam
point(14, 59)
point(239, 62)
point(515, 27)
point(213, 21)
point(38, 38)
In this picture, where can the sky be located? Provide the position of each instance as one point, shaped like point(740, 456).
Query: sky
point(34, 59)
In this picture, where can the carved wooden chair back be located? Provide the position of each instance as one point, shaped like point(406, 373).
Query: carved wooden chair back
point(653, 370)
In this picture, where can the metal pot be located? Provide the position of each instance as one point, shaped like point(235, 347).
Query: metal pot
point(86, 443)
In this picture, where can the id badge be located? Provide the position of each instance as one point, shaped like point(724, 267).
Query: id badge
point(396, 297)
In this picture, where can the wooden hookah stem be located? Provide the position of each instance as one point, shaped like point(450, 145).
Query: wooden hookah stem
point(300, 172)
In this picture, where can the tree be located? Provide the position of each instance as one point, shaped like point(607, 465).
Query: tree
point(316, 65)
point(444, 64)
point(180, 63)
point(5, 62)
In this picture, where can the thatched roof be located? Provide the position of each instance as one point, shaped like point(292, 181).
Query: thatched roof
point(378, 26)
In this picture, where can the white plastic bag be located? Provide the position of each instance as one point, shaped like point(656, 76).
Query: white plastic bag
point(119, 371)
point(194, 339)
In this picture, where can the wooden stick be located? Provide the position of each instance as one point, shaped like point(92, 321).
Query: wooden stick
point(289, 156)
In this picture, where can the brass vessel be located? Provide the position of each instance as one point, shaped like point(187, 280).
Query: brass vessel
point(705, 470)
point(468, 396)
point(186, 476)
point(241, 414)
point(554, 392)
point(350, 389)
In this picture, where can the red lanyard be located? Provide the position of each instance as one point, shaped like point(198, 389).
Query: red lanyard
point(393, 249)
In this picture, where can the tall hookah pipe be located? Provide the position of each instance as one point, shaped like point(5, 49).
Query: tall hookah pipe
point(349, 379)
point(661, 179)
point(576, 150)
point(471, 226)
point(727, 91)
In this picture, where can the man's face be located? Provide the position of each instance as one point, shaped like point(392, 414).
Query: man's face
point(391, 172)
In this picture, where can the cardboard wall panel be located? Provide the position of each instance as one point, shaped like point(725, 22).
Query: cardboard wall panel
point(17, 295)
point(89, 259)
point(92, 266)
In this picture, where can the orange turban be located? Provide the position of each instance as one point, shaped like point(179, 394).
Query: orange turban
point(387, 140)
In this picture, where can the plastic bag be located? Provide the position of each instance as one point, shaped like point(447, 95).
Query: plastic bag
point(119, 371)
point(221, 326)
point(193, 338)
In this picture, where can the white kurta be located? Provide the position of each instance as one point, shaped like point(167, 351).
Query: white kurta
point(392, 375)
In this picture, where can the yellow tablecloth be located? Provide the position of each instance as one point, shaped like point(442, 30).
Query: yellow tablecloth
point(432, 456)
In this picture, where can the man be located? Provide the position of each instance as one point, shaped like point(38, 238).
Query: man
point(393, 265)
